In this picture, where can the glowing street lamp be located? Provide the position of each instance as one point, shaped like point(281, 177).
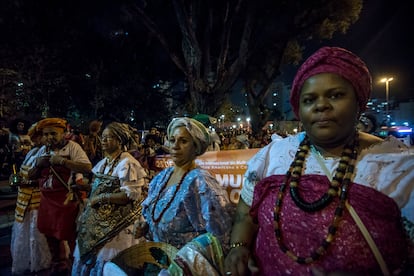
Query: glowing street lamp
point(387, 91)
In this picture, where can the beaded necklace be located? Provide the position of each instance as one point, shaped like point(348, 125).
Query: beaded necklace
point(165, 180)
point(338, 188)
point(114, 163)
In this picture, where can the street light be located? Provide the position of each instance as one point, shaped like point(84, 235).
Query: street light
point(387, 92)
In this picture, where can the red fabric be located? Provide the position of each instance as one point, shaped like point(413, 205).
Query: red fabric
point(334, 60)
point(303, 232)
point(54, 218)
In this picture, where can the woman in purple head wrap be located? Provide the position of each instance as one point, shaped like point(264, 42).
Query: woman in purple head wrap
point(330, 198)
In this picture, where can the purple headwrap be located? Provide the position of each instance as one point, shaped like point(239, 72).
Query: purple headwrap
point(338, 61)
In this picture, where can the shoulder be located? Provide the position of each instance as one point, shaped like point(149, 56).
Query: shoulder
point(367, 140)
point(129, 158)
point(73, 145)
point(204, 178)
point(277, 150)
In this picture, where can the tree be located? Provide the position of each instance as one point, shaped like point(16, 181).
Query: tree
point(94, 55)
point(215, 43)
point(75, 61)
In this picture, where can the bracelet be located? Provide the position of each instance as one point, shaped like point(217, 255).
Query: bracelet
point(238, 244)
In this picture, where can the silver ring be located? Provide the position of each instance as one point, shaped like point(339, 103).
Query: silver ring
point(228, 273)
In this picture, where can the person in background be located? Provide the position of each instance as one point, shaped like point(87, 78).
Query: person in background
point(29, 250)
point(367, 123)
point(225, 145)
point(240, 142)
point(19, 142)
point(330, 199)
point(184, 200)
point(4, 149)
point(59, 164)
point(214, 141)
point(106, 224)
point(92, 142)
point(75, 135)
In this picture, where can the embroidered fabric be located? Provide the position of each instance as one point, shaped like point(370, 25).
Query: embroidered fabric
point(127, 176)
point(194, 210)
point(302, 232)
point(387, 167)
point(382, 191)
point(107, 219)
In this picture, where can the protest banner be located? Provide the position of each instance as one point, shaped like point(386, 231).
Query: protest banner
point(227, 166)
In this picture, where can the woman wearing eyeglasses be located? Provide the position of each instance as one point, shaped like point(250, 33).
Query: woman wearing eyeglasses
point(106, 225)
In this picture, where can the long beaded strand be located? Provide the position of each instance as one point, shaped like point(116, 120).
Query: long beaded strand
point(345, 181)
point(295, 172)
point(156, 220)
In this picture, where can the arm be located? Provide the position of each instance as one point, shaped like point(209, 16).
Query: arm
point(76, 161)
point(242, 240)
point(117, 198)
point(72, 165)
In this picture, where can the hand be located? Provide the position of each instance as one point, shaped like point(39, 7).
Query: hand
point(239, 262)
point(140, 229)
point(95, 201)
point(81, 187)
point(57, 160)
point(43, 161)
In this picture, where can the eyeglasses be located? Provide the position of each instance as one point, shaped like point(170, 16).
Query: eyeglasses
point(109, 137)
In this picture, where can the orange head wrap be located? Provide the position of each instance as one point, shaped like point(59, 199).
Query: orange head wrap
point(51, 122)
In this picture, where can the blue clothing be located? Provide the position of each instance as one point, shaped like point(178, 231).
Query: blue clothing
point(201, 205)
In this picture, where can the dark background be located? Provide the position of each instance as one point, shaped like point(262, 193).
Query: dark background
point(382, 37)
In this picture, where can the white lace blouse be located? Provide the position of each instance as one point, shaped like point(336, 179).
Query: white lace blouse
point(387, 167)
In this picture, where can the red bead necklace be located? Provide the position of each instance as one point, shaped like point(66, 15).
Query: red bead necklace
point(156, 220)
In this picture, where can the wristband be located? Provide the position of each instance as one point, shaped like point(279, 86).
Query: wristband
point(238, 244)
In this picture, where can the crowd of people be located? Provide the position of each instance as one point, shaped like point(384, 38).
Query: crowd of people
point(329, 199)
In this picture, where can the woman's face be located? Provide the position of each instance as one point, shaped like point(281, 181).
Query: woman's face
point(110, 142)
point(328, 109)
point(182, 147)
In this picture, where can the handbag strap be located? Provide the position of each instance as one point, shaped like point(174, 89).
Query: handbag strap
point(67, 186)
point(368, 238)
point(357, 219)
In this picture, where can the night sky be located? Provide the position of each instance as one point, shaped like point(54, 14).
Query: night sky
point(382, 38)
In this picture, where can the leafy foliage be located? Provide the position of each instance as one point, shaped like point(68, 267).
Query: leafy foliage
point(101, 59)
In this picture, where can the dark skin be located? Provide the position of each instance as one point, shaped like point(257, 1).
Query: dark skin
point(112, 148)
point(328, 110)
point(54, 137)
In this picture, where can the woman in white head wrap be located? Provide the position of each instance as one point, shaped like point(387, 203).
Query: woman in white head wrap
point(184, 200)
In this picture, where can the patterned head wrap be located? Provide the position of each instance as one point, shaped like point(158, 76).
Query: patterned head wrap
point(123, 132)
point(197, 130)
point(51, 122)
point(338, 61)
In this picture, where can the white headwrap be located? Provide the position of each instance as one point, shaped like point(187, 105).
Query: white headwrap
point(197, 130)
